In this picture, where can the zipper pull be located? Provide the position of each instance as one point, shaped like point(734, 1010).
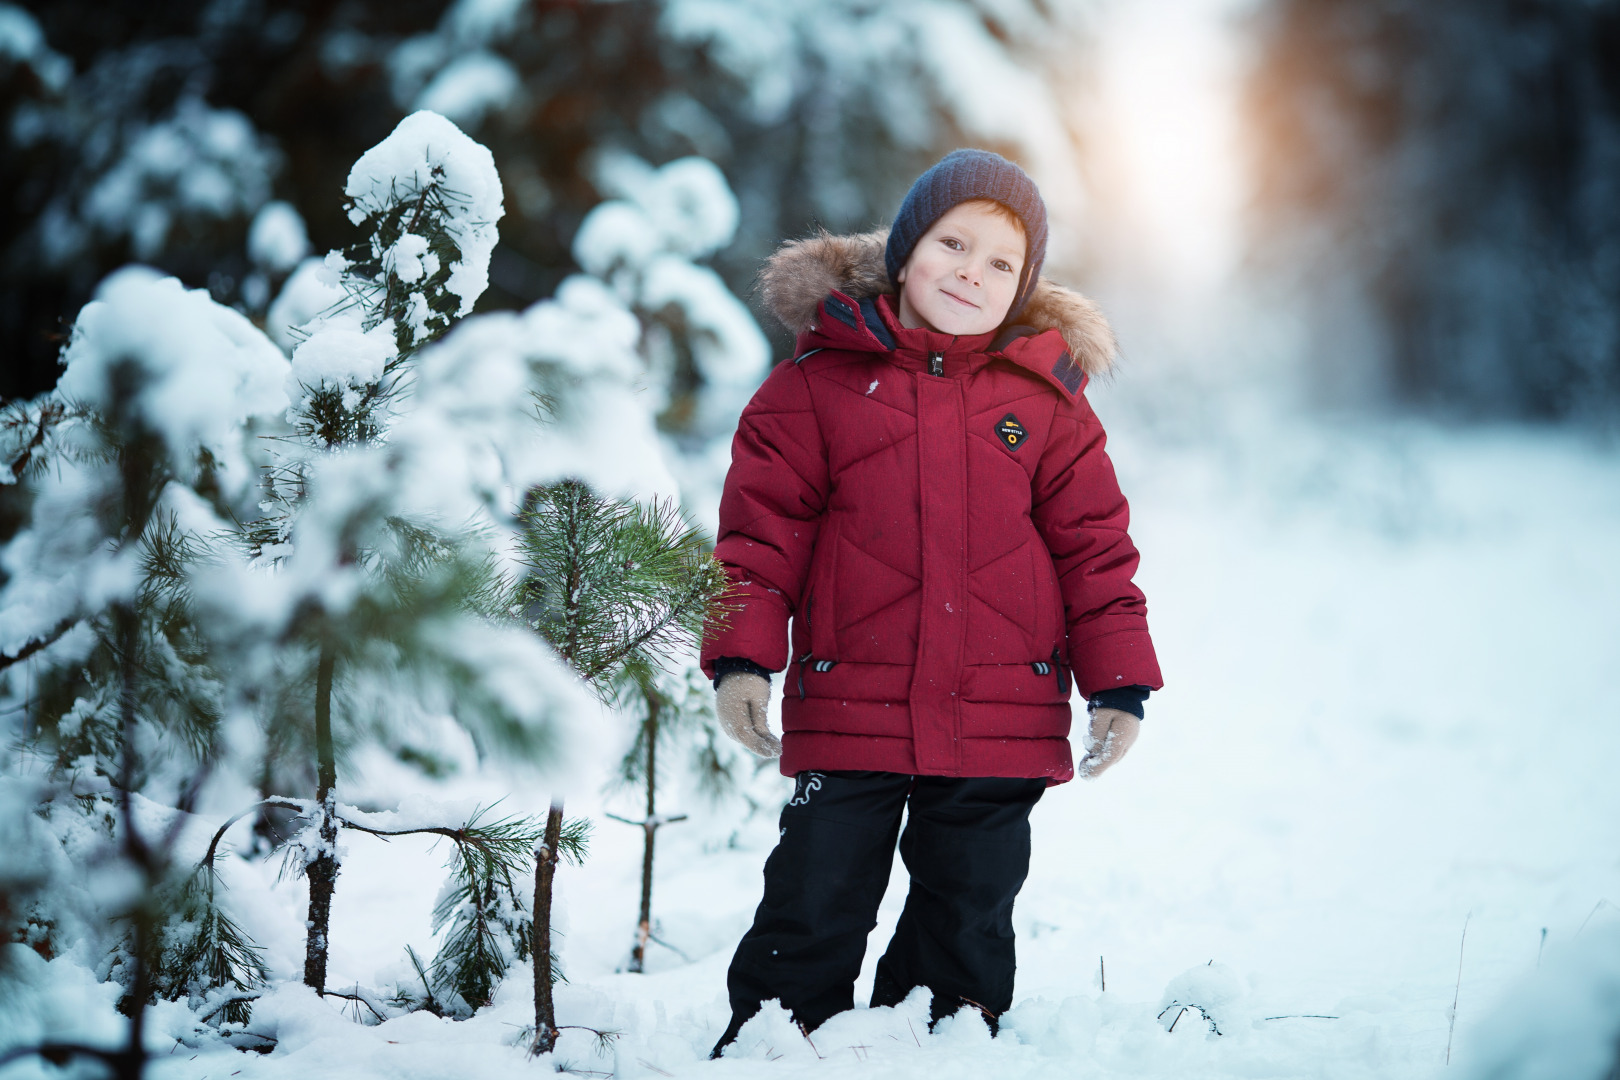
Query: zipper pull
point(936, 363)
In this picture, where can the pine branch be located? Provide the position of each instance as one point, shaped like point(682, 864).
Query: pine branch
point(203, 949)
point(14, 417)
point(481, 905)
point(613, 584)
point(44, 642)
point(406, 1000)
point(303, 807)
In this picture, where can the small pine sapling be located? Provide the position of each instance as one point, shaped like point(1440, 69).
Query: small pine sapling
point(618, 588)
point(417, 266)
point(206, 957)
point(668, 715)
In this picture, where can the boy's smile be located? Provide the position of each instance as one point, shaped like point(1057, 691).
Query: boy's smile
point(963, 273)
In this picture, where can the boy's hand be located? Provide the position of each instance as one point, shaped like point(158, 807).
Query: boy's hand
point(740, 704)
point(1111, 735)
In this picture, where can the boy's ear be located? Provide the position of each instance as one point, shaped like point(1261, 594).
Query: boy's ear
point(900, 278)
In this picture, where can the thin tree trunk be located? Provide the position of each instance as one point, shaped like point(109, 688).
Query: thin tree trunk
point(638, 955)
point(131, 1064)
point(323, 870)
point(545, 866)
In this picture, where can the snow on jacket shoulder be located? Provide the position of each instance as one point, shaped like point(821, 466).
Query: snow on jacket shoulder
point(937, 517)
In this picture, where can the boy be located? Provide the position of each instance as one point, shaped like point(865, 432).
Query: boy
point(924, 492)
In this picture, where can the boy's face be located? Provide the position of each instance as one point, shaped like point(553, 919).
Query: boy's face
point(963, 273)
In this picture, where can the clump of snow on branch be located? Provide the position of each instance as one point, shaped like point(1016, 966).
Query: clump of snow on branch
point(342, 355)
point(643, 243)
point(200, 370)
point(429, 159)
point(470, 86)
point(312, 288)
point(453, 69)
point(472, 434)
point(200, 162)
point(22, 41)
point(277, 239)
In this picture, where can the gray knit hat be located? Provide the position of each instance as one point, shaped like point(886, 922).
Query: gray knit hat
point(962, 176)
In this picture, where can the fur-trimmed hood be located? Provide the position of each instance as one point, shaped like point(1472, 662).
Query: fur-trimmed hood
point(801, 273)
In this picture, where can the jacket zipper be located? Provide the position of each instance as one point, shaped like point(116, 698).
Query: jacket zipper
point(936, 363)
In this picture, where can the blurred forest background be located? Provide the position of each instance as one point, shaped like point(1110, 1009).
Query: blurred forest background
point(1419, 197)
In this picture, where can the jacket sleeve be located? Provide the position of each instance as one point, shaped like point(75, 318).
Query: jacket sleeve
point(1081, 514)
point(770, 511)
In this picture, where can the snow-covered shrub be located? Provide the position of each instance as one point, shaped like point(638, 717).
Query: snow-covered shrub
point(1209, 997)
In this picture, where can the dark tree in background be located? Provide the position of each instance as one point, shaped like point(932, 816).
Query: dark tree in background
point(1454, 163)
point(86, 185)
point(156, 132)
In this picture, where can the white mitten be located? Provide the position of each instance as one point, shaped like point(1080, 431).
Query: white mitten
point(740, 704)
point(1111, 734)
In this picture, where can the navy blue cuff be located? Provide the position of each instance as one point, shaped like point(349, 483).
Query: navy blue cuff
point(725, 665)
point(1124, 698)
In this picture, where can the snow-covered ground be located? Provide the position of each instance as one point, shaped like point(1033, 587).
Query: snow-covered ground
point(1390, 714)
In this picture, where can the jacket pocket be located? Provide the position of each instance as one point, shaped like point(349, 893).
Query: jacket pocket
point(1049, 622)
point(818, 603)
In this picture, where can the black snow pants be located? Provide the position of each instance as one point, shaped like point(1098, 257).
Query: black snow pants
point(966, 845)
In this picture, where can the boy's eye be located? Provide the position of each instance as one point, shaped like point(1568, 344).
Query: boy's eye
point(951, 242)
point(1002, 264)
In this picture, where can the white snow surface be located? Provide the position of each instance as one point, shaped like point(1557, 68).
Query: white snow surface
point(1356, 622)
point(1560, 1023)
point(426, 148)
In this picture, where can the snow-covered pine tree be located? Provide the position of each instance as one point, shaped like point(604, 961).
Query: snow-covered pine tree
point(389, 529)
point(104, 664)
point(426, 201)
point(649, 242)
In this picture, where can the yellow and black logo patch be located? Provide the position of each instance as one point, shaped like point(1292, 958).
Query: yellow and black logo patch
point(1011, 432)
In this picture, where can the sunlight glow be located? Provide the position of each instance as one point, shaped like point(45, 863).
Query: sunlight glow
point(1167, 142)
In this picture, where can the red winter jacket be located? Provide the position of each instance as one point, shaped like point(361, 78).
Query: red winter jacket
point(938, 519)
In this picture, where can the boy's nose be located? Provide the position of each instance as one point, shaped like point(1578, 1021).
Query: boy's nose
point(969, 274)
